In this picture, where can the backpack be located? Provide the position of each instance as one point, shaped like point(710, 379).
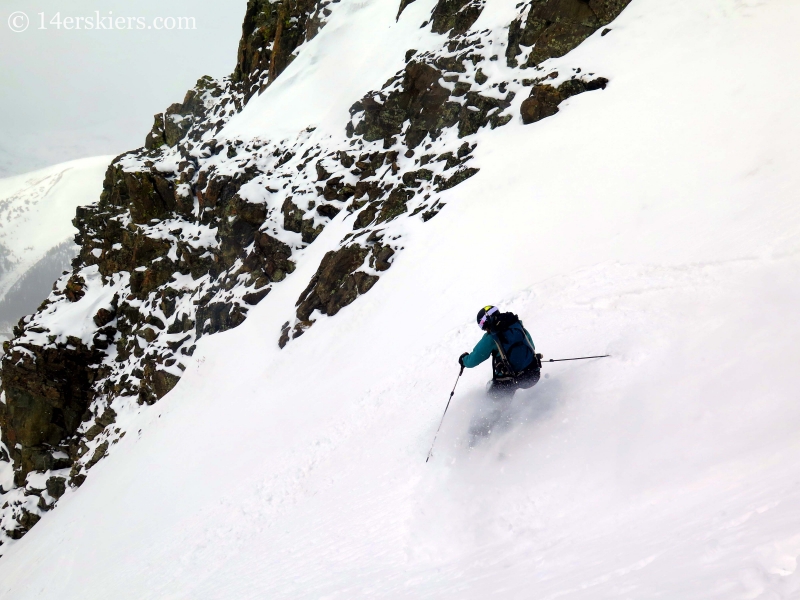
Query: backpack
point(516, 353)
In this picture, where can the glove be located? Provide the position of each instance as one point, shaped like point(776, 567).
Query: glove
point(461, 359)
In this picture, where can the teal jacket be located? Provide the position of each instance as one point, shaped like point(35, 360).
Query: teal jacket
point(484, 348)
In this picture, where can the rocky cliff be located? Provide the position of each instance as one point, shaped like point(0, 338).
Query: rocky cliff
point(194, 228)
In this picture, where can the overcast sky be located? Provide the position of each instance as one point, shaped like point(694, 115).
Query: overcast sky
point(71, 93)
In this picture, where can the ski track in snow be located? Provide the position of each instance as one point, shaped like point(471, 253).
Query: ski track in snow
point(656, 221)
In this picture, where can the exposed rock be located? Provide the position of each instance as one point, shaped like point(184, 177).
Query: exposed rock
point(75, 288)
point(335, 189)
point(253, 298)
point(26, 521)
point(403, 5)
point(274, 256)
point(336, 283)
point(381, 256)
point(328, 210)
point(452, 181)
point(554, 27)
point(478, 112)
point(455, 16)
point(171, 126)
point(147, 195)
point(366, 216)
point(48, 390)
point(56, 486)
point(544, 99)
point(156, 138)
point(284, 338)
point(608, 10)
point(99, 453)
point(156, 384)
point(271, 32)
point(425, 104)
point(103, 317)
point(292, 216)
point(395, 204)
point(414, 178)
point(420, 101)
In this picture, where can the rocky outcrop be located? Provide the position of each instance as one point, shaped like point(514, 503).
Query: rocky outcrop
point(48, 391)
point(554, 27)
point(192, 114)
point(455, 16)
point(169, 253)
point(544, 99)
point(450, 16)
point(337, 282)
point(422, 107)
point(271, 33)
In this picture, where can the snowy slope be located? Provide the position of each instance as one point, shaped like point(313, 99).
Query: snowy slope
point(656, 221)
point(36, 231)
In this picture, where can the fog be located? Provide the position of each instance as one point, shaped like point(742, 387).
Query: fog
point(72, 93)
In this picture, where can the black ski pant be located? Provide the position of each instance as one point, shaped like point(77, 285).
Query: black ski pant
point(505, 388)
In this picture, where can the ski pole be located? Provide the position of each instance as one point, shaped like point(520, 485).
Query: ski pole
point(443, 414)
point(581, 358)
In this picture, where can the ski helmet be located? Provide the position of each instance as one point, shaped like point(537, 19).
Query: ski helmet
point(485, 315)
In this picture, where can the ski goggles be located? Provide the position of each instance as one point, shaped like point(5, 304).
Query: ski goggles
point(488, 314)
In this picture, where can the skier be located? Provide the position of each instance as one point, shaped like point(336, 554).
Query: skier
point(515, 364)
